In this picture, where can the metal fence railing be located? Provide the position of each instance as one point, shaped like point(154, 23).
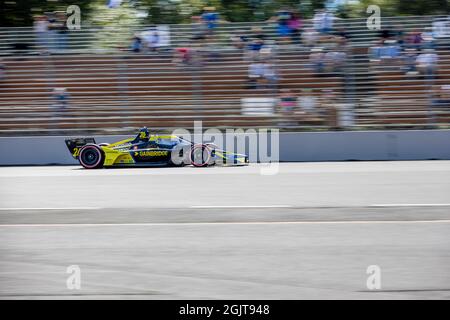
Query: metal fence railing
point(95, 84)
point(90, 39)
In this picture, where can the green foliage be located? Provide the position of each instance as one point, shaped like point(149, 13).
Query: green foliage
point(117, 24)
point(20, 12)
point(421, 7)
point(101, 15)
point(398, 7)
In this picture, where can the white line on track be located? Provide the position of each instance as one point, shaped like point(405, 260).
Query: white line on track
point(321, 207)
point(393, 205)
point(50, 208)
point(411, 205)
point(244, 206)
point(219, 223)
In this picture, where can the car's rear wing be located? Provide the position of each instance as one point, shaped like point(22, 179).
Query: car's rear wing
point(74, 145)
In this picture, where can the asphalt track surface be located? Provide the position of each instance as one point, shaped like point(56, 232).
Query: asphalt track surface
point(308, 231)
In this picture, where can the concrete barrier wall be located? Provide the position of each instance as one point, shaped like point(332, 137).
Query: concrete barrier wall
point(40, 150)
point(308, 146)
point(365, 145)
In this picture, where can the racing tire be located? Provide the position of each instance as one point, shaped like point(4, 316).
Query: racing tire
point(91, 157)
point(200, 155)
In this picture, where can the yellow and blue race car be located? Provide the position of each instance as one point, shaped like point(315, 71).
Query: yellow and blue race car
point(150, 150)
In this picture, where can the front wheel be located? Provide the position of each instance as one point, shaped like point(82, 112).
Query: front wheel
point(200, 155)
point(91, 157)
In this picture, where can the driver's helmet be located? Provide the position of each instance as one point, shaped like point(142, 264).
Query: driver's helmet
point(144, 134)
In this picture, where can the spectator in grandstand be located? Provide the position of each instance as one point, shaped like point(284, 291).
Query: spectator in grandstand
point(283, 29)
point(211, 53)
point(41, 32)
point(191, 56)
point(258, 38)
point(342, 37)
point(308, 102)
point(409, 58)
point(199, 29)
point(295, 25)
point(240, 40)
point(331, 56)
point(255, 73)
point(399, 37)
point(183, 56)
point(329, 108)
point(266, 53)
point(317, 58)
point(287, 105)
point(391, 35)
point(262, 74)
point(256, 42)
point(335, 61)
point(211, 19)
point(270, 76)
point(61, 30)
point(323, 21)
point(53, 26)
point(2, 71)
point(385, 35)
point(310, 37)
point(414, 40)
point(426, 63)
point(153, 41)
point(428, 41)
point(388, 51)
point(61, 97)
point(289, 25)
point(441, 27)
point(287, 101)
point(442, 97)
point(136, 44)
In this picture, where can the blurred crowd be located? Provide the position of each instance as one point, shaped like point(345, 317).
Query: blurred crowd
point(413, 52)
point(308, 106)
point(51, 32)
point(328, 46)
point(326, 42)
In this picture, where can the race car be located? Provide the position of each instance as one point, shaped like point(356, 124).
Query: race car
point(150, 150)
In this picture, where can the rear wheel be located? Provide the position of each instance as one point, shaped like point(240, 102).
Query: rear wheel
point(91, 157)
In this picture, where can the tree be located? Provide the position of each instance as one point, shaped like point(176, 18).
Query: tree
point(19, 13)
point(116, 24)
point(422, 7)
point(398, 7)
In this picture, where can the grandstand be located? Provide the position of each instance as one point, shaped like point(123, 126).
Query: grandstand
point(114, 90)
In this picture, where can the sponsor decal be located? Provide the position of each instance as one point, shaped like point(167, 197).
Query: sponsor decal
point(159, 153)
